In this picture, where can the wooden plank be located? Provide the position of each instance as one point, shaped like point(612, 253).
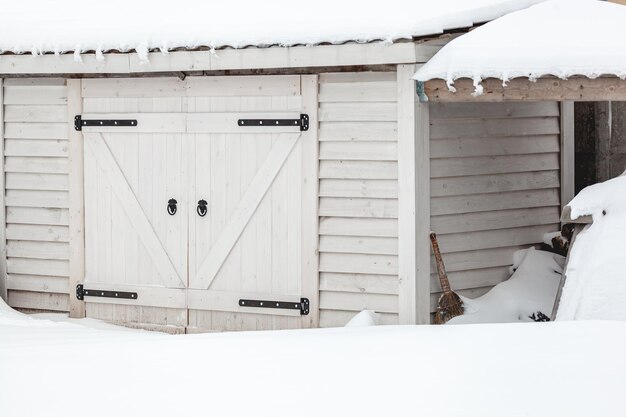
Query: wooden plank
point(382, 303)
point(492, 220)
point(342, 226)
point(359, 244)
point(39, 165)
point(375, 170)
point(76, 198)
point(356, 131)
point(496, 201)
point(35, 130)
point(483, 165)
point(39, 300)
point(229, 301)
point(465, 241)
point(3, 256)
point(38, 283)
point(482, 184)
point(359, 263)
point(521, 89)
point(36, 113)
point(358, 188)
point(22, 147)
point(251, 85)
point(30, 198)
point(35, 94)
point(351, 91)
point(567, 153)
point(336, 318)
point(359, 151)
point(359, 283)
point(21, 181)
point(358, 112)
point(38, 250)
point(64, 64)
point(146, 122)
point(248, 203)
point(358, 207)
point(133, 87)
point(358, 77)
point(34, 81)
point(38, 233)
point(38, 267)
point(477, 278)
point(146, 295)
point(37, 215)
point(309, 184)
point(493, 110)
point(482, 128)
point(511, 145)
point(99, 149)
point(228, 122)
point(478, 259)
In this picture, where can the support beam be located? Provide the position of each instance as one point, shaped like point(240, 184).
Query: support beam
point(521, 89)
point(3, 241)
point(567, 152)
point(413, 202)
point(77, 206)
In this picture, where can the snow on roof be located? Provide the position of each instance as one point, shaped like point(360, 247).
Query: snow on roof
point(562, 38)
point(43, 26)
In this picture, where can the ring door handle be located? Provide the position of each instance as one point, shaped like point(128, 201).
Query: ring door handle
point(171, 206)
point(201, 209)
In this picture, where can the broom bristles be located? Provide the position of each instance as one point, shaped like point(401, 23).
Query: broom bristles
point(449, 306)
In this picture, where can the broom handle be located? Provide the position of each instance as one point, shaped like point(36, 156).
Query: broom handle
point(441, 270)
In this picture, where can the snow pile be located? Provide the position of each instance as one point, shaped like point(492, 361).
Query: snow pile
point(574, 369)
point(364, 318)
point(42, 26)
point(595, 286)
point(531, 289)
point(563, 38)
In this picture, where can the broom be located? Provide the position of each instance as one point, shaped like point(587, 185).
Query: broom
point(449, 304)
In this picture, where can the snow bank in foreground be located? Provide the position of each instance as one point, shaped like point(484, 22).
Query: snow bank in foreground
point(39, 26)
point(531, 289)
point(595, 287)
point(529, 369)
point(560, 37)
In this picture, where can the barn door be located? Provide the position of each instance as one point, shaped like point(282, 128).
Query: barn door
point(135, 214)
point(248, 232)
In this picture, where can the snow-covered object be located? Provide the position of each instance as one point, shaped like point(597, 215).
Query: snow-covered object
point(41, 26)
point(532, 288)
point(573, 369)
point(595, 287)
point(364, 318)
point(563, 38)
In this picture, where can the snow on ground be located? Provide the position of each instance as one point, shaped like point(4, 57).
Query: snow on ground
point(559, 37)
point(595, 287)
point(38, 26)
point(527, 369)
point(532, 288)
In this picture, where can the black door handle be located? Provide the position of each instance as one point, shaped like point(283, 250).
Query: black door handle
point(171, 206)
point(201, 209)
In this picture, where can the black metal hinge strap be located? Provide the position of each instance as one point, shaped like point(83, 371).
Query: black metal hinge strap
point(303, 305)
point(303, 122)
point(79, 123)
point(81, 293)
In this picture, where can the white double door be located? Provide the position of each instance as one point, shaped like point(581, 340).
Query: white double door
point(193, 211)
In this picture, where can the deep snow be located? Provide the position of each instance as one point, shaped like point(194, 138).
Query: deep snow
point(563, 38)
point(39, 26)
point(527, 369)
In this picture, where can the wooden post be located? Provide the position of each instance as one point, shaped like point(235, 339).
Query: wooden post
point(310, 204)
point(76, 193)
point(567, 152)
point(413, 202)
point(3, 242)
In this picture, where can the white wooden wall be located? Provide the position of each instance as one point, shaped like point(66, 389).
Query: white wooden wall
point(495, 187)
point(36, 196)
point(358, 204)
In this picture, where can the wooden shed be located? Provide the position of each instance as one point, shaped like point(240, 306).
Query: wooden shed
point(266, 187)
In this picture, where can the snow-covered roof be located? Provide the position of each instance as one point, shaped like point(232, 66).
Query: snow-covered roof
point(43, 26)
point(562, 38)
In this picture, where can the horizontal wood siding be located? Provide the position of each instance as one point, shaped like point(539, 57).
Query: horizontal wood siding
point(36, 194)
point(495, 187)
point(358, 192)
